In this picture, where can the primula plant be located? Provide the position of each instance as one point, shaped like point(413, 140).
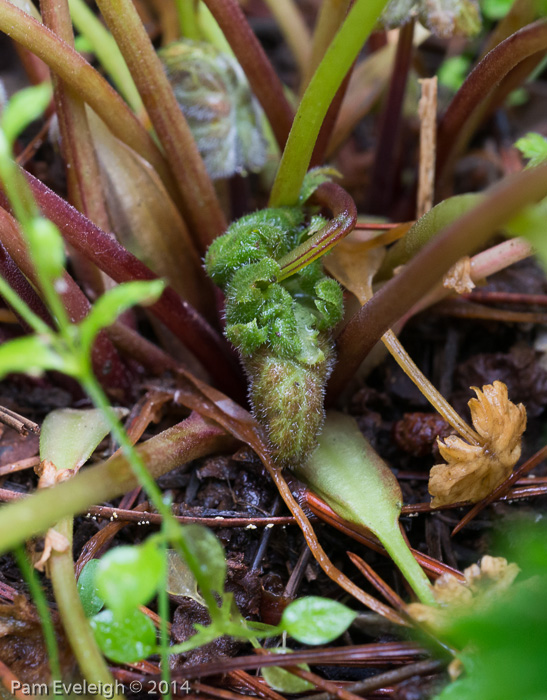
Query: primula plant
point(186, 276)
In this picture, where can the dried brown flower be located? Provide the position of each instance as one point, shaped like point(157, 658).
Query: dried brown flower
point(491, 577)
point(474, 471)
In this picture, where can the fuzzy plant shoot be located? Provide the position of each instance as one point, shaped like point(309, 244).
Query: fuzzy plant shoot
point(280, 328)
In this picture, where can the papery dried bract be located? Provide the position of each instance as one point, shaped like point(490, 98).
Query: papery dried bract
point(490, 577)
point(474, 471)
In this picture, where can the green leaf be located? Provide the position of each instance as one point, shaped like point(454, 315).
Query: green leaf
point(92, 603)
point(315, 178)
point(47, 246)
point(531, 224)
point(496, 9)
point(285, 681)
point(359, 486)
point(180, 580)
point(32, 355)
point(23, 108)
point(69, 436)
point(113, 303)
point(208, 555)
point(428, 226)
point(129, 576)
point(534, 147)
point(315, 620)
point(124, 637)
point(453, 71)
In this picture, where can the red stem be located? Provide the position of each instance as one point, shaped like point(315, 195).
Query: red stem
point(110, 257)
point(389, 140)
point(462, 237)
point(466, 110)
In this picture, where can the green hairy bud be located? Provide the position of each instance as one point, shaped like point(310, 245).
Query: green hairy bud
point(281, 329)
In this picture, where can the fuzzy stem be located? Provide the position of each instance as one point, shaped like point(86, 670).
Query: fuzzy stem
point(316, 100)
point(201, 206)
point(86, 82)
point(466, 110)
point(259, 71)
point(89, 658)
point(189, 440)
point(460, 238)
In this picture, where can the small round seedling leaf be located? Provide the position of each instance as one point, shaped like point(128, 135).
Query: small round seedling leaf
point(124, 637)
point(92, 602)
point(315, 620)
point(129, 576)
point(285, 681)
point(208, 555)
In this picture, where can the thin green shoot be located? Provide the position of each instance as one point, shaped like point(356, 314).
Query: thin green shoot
point(107, 52)
point(319, 94)
point(42, 607)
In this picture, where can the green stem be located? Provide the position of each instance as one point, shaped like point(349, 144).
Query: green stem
point(328, 77)
point(163, 612)
point(43, 611)
point(107, 52)
point(79, 633)
point(201, 206)
point(186, 11)
point(86, 82)
point(174, 532)
point(191, 439)
point(398, 550)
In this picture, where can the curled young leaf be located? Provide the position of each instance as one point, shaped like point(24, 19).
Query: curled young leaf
point(474, 471)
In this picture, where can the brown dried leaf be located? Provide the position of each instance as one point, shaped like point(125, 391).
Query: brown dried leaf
point(492, 576)
point(474, 471)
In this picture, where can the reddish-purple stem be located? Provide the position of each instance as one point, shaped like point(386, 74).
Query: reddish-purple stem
point(462, 237)
point(107, 365)
point(467, 108)
point(386, 160)
point(259, 71)
point(111, 257)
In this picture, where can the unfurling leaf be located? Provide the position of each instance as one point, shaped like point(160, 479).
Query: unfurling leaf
point(474, 471)
point(224, 116)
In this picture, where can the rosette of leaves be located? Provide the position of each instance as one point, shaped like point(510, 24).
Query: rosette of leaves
point(280, 328)
point(225, 118)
